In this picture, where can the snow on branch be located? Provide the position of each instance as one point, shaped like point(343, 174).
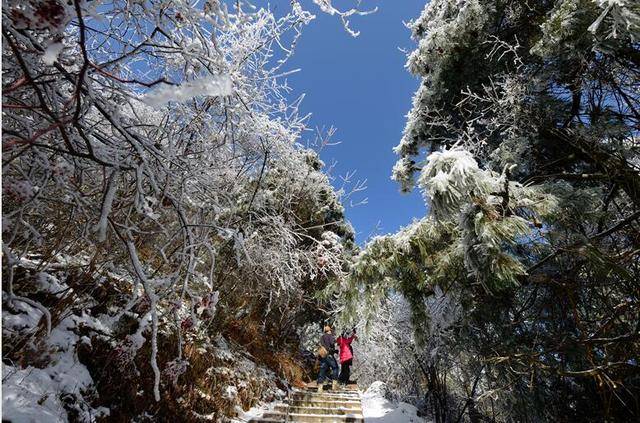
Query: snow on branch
point(212, 86)
point(327, 7)
point(186, 206)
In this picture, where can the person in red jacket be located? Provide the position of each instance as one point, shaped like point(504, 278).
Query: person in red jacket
point(346, 355)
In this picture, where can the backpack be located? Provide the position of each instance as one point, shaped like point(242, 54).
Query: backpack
point(322, 352)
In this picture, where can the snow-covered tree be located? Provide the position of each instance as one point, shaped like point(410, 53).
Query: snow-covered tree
point(155, 142)
point(523, 138)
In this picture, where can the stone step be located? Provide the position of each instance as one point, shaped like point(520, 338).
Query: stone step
point(314, 387)
point(306, 405)
point(315, 418)
point(327, 386)
point(324, 399)
point(317, 410)
point(325, 394)
point(328, 390)
point(325, 404)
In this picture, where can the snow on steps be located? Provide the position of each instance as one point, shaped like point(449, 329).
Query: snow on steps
point(317, 410)
point(325, 404)
point(309, 406)
point(311, 418)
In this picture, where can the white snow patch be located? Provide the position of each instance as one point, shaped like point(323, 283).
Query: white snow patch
point(214, 85)
point(28, 396)
point(32, 394)
point(377, 409)
point(254, 412)
point(49, 283)
point(223, 352)
point(25, 319)
point(51, 53)
point(230, 392)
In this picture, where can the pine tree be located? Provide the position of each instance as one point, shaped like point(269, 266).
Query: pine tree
point(523, 138)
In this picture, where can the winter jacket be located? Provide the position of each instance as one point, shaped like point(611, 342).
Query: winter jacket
point(328, 341)
point(346, 353)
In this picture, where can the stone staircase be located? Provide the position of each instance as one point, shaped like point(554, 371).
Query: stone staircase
point(308, 406)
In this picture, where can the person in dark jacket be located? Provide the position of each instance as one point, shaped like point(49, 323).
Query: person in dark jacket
point(327, 360)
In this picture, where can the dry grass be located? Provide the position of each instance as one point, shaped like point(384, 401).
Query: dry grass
point(200, 391)
point(250, 335)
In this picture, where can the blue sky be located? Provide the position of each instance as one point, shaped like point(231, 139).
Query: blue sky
point(359, 85)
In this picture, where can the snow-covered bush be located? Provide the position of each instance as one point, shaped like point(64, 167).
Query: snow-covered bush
point(154, 140)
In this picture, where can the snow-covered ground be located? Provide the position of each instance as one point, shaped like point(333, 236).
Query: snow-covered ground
point(32, 394)
point(377, 409)
point(254, 412)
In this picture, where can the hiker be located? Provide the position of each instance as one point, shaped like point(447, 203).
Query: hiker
point(327, 360)
point(346, 355)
